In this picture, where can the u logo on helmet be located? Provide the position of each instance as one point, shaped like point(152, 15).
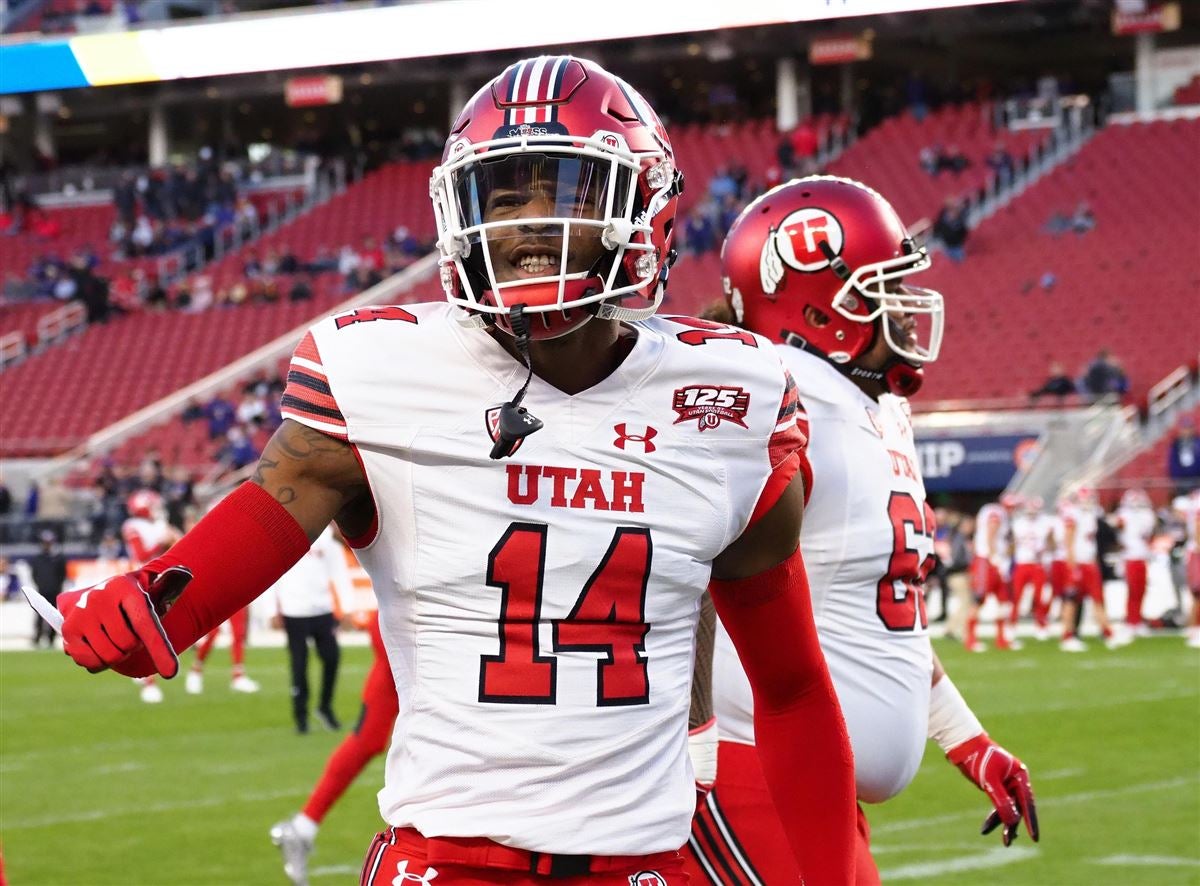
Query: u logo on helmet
point(799, 237)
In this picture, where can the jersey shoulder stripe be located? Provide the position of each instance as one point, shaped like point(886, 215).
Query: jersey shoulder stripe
point(308, 397)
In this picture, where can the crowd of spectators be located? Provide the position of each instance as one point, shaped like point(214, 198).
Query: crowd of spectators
point(1103, 376)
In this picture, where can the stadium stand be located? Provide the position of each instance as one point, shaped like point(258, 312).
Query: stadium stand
point(1150, 463)
point(888, 157)
point(998, 300)
point(138, 359)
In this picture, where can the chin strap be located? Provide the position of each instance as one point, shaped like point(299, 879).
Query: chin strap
point(898, 376)
point(515, 422)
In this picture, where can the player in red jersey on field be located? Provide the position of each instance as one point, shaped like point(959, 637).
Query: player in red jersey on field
point(296, 835)
point(539, 576)
point(821, 265)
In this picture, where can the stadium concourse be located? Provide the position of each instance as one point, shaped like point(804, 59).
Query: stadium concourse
point(164, 246)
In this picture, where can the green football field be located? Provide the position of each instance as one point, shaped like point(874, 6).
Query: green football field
point(98, 788)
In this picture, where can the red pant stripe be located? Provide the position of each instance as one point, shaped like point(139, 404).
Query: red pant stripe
point(708, 847)
point(731, 841)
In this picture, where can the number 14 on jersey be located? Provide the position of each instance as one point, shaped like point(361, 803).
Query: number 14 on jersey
point(609, 617)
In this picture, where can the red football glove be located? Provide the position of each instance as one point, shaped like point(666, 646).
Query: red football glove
point(106, 624)
point(1004, 779)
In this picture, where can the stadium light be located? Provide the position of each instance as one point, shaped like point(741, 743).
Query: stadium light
point(415, 30)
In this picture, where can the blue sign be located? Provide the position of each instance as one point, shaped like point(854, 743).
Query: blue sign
point(973, 464)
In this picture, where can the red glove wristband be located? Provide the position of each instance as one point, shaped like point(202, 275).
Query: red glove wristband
point(235, 553)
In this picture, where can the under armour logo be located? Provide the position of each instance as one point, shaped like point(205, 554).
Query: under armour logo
point(623, 436)
point(529, 419)
point(403, 876)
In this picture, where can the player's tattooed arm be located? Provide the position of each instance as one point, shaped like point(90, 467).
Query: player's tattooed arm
point(706, 630)
point(314, 476)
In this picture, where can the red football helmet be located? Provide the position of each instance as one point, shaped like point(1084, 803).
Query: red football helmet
point(145, 503)
point(557, 191)
point(818, 262)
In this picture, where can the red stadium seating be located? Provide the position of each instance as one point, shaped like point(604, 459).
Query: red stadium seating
point(1130, 285)
point(55, 399)
point(887, 157)
point(77, 227)
point(702, 150)
point(1188, 94)
point(1149, 465)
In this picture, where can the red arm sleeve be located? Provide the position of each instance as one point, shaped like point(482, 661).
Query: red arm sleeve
point(240, 548)
point(798, 726)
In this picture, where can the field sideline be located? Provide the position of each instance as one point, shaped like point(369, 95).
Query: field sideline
point(97, 788)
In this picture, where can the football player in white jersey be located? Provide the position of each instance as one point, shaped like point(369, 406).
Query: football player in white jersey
point(538, 578)
point(1081, 516)
point(1135, 522)
point(991, 570)
point(820, 265)
point(147, 535)
point(1188, 506)
point(1031, 534)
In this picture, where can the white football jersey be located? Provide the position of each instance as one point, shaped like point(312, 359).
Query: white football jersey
point(1029, 533)
point(1085, 519)
point(318, 582)
point(991, 514)
point(539, 611)
point(145, 539)
point(867, 542)
point(1137, 526)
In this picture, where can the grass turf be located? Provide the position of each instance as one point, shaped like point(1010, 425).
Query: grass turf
point(98, 788)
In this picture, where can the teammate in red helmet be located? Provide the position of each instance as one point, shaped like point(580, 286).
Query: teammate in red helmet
point(821, 267)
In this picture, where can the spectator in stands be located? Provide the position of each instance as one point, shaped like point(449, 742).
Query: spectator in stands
point(6, 500)
point(1057, 383)
point(1001, 163)
point(721, 186)
point(125, 199)
point(1084, 220)
point(698, 234)
point(953, 160)
point(404, 240)
point(929, 159)
point(54, 504)
point(805, 145)
point(250, 410)
point(239, 450)
point(323, 261)
point(1103, 376)
point(1183, 457)
point(288, 263)
point(950, 229)
point(221, 416)
point(301, 289)
point(194, 411)
point(178, 496)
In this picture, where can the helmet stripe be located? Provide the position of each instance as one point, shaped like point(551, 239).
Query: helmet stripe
point(532, 88)
point(514, 89)
point(556, 79)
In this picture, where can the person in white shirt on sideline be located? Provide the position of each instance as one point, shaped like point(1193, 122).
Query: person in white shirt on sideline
point(307, 599)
